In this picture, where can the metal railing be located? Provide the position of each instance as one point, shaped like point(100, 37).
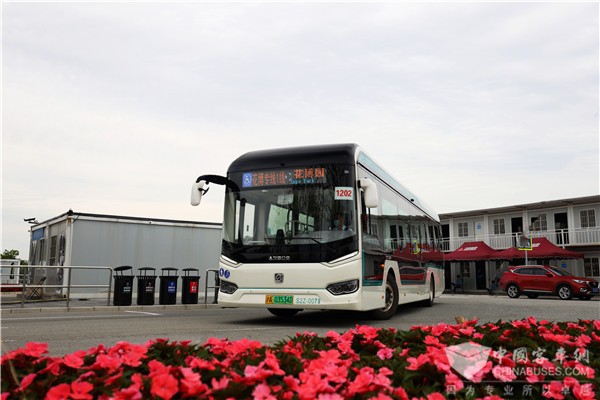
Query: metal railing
point(560, 237)
point(24, 274)
point(216, 287)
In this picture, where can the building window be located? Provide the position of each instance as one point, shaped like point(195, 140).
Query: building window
point(539, 223)
point(499, 227)
point(465, 269)
point(591, 267)
point(52, 257)
point(588, 218)
point(463, 229)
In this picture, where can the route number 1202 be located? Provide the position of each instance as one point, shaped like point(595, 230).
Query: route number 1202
point(344, 193)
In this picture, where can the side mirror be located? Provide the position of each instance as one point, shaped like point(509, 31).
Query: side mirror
point(370, 190)
point(549, 275)
point(197, 192)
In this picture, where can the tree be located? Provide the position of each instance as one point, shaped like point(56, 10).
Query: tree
point(12, 255)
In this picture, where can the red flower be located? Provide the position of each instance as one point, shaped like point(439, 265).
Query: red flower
point(107, 362)
point(191, 384)
point(436, 396)
point(554, 390)
point(81, 390)
point(74, 360)
point(34, 349)
point(416, 363)
point(164, 386)
point(59, 392)
point(26, 381)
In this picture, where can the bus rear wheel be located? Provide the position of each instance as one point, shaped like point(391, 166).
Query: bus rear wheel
point(284, 312)
point(391, 300)
point(431, 299)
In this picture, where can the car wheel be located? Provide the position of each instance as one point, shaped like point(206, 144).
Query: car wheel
point(532, 296)
point(513, 291)
point(391, 300)
point(284, 312)
point(565, 292)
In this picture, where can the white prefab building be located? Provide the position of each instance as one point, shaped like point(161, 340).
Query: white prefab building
point(571, 224)
point(82, 239)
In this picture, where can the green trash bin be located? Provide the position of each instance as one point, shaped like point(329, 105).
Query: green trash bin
point(168, 286)
point(146, 286)
point(123, 286)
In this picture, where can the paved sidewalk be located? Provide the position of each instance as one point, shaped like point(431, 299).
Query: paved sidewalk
point(11, 303)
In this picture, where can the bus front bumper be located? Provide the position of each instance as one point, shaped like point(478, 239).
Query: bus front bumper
point(314, 299)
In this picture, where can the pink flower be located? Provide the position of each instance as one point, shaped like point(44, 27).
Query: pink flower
point(220, 384)
point(262, 392)
point(584, 392)
point(385, 353)
point(503, 373)
point(454, 382)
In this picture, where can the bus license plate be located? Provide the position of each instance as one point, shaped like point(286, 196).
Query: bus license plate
point(270, 299)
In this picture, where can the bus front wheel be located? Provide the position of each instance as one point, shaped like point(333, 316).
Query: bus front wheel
point(391, 300)
point(283, 312)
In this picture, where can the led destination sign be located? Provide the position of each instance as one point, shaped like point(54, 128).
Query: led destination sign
point(296, 176)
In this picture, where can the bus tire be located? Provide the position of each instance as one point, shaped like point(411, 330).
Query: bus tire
point(284, 312)
point(429, 302)
point(391, 300)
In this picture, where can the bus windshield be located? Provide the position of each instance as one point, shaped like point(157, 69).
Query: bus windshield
point(305, 214)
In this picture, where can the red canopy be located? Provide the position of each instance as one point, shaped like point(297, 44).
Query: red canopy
point(471, 251)
point(541, 248)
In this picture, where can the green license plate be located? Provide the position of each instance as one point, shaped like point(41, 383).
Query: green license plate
point(270, 299)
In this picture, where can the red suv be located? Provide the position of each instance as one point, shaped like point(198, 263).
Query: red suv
point(535, 280)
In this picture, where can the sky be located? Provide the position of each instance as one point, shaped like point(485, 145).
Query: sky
point(116, 108)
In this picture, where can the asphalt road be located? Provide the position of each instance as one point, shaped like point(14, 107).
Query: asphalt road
point(68, 331)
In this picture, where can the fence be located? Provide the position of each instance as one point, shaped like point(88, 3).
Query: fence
point(25, 272)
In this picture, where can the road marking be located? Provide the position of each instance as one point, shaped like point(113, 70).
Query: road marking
point(65, 317)
point(142, 312)
point(241, 329)
point(77, 317)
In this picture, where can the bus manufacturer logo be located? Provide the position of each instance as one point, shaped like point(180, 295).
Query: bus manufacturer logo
point(279, 258)
point(279, 277)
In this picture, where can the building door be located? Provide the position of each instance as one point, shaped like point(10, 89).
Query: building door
point(562, 228)
point(447, 276)
point(480, 275)
point(516, 225)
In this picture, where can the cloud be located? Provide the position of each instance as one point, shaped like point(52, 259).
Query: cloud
point(117, 108)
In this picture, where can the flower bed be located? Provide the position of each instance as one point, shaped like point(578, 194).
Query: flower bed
point(520, 359)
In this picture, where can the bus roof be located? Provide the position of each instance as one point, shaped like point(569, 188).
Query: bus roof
point(344, 153)
point(295, 157)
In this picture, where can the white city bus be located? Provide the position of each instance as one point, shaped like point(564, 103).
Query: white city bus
point(323, 227)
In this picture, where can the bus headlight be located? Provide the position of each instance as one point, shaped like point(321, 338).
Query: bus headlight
point(345, 287)
point(227, 287)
